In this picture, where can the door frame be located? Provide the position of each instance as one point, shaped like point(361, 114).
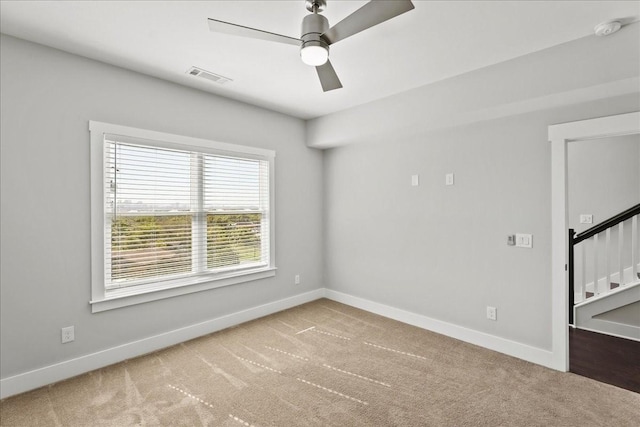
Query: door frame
point(559, 136)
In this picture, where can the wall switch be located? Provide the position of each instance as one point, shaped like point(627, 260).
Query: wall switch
point(586, 219)
point(524, 240)
point(296, 279)
point(492, 313)
point(448, 179)
point(68, 334)
point(415, 180)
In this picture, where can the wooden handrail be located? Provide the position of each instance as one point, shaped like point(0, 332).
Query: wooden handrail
point(570, 265)
point(614, 220)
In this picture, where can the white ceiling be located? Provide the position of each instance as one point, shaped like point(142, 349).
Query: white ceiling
point(436, 40)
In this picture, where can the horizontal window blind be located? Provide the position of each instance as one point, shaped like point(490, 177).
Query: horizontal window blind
point(235, 202)
point(172, 213)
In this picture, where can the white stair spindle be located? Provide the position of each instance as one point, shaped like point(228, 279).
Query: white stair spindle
point(583, 272)
point(620, 253)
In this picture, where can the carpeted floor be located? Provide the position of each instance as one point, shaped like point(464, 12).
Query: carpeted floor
point(324, 364)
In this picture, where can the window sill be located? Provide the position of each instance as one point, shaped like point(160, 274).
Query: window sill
point(124, 297)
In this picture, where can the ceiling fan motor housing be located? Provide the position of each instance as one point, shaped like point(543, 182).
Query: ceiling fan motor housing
point(313, 26)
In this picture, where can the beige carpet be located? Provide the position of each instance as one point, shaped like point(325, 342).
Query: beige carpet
point(324, 364)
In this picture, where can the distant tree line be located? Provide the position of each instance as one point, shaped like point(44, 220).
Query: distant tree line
point(150, 245)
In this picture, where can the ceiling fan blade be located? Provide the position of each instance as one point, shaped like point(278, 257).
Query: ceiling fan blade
point(328, 77)
point(242, 31)
point(372, 13)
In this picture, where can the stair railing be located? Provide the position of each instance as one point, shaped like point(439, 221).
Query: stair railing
point(617, 271)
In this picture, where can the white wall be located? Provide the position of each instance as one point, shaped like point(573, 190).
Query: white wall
point(441, 251)
point(47, 99)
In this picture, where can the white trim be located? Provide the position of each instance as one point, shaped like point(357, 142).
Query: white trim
point(69, 368)
point(80, 365)
point(103, 299)
point(102, 128)
point(60, 371)
point(125, 297)
point(492, 342)
point(605, 295)
point(559, 246)
point(559, 136)
point(601, 127)
point(602, 284)
point(586, 312)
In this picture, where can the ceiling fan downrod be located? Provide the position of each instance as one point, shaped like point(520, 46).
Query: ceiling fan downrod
point(315, 6)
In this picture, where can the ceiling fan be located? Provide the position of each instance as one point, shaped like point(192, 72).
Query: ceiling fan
point(317, 36)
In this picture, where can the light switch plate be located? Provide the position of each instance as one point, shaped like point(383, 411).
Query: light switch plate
point(524, 240)
point(415, 180)
point(586, 219)
point(448, 179)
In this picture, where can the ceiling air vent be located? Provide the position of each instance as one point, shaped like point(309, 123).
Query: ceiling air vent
point(217, 78)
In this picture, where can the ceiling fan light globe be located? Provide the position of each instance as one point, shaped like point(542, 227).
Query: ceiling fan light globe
point(314, 55)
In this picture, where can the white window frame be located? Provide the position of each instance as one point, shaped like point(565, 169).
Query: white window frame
point(106, 299)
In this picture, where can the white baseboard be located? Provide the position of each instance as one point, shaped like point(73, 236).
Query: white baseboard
point(492, 342)
point(80, 365)
point(70, 368)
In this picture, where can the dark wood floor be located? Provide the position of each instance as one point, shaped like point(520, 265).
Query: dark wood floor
point(605, 358)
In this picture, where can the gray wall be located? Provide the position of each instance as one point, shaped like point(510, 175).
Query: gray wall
point(348, 219)
point(604, 178)
point(627, 315)
point(47, 99)
point(579, 71)
point(440, 251)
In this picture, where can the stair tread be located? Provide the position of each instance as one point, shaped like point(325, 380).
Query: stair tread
point(613, 285)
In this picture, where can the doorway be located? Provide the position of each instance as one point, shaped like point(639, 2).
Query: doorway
point(603, 181)
point(560, 136)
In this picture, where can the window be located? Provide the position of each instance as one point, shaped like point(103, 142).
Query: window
point(174, 215)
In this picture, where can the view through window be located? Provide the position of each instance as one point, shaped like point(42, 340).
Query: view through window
point(173, 213)
point(176, 214)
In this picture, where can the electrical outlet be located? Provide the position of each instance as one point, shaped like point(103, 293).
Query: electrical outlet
point(296, 279)
point(68, 334)
point(492, 313)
